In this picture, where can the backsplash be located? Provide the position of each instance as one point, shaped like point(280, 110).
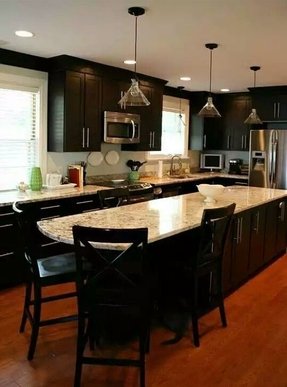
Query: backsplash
point(59, 162)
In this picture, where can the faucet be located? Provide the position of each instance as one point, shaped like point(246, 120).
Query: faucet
point(173, 170)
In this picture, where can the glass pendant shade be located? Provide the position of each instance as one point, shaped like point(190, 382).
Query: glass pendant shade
point(134, 96)
point(209, 110)
point(253, 117)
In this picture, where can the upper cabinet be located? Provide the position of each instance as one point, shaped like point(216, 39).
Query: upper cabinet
point(151, 117)
point(235, 109)
point(74, 112)
point(205, 133)
point(79, 93)
point(270, 102)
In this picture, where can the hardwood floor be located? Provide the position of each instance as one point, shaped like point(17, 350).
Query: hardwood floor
point(250, 352)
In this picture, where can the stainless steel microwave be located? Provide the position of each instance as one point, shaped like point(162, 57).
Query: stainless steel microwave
point(121, 128)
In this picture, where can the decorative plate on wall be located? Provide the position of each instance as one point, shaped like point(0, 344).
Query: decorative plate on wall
point(112, 157)
point(95, 158)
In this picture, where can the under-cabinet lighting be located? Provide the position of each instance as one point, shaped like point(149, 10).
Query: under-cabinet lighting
point(24, 34)
point(185, 78)
point(129, 61)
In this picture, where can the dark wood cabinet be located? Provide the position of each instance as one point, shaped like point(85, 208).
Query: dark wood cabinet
point(236, 108)
point(270, 103)
point(205, 133)
point(276, 229)
point(240, 247)
point(74, 112)
point(151, 120)
point(257, 235)
point(12, 267)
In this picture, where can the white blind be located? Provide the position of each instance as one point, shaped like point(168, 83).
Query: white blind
point(19, 142)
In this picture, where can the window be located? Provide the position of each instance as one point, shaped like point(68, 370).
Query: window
point(175, 125)
point(22, 143)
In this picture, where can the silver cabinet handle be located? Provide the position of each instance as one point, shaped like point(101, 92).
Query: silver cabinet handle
point(278, 109)
point(240, 231)
point(256, 228)
point(282, 211)
point(274, 109)
point(83, 138)
point(88, 137)
point(242, 142)
point(150, 140)
point(245, 145)
point(204, 141)
point(228, 141)
point(237, 231)
point(153, 138)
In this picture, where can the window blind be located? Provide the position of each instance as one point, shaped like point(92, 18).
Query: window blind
point(19, 143)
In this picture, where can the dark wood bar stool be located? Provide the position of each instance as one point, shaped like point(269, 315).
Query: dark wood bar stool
point(204, 266)
point(44, 269)
point(111, 283)
point(114, 197)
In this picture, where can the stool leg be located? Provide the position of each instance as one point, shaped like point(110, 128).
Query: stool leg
point(27, 300)
point(194, 317)
point(35, 322)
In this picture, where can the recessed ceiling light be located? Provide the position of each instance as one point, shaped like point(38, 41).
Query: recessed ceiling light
point(225, 90)
point(185, 78)
point(129, 61)
point(24, 34)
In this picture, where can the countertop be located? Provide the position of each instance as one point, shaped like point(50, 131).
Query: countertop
point(9, 197)
point(163, 217)
point(157, 181)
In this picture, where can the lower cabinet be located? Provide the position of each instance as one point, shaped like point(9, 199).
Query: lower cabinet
point(257, 237)
point(11, 265)
point(240, 247)
point(12, 261)
point(276, 226)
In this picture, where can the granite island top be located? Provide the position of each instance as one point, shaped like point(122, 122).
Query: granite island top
point(163, 217)
point(9, 197)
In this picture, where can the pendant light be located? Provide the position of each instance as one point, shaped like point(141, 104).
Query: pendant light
point(134, 96)
point(209, 110)
point(253, 117)
point(180, 88)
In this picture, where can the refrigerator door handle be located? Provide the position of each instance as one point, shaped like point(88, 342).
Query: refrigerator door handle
point(274, 165)
point(271, 159)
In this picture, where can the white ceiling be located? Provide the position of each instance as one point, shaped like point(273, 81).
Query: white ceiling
point(171, 37)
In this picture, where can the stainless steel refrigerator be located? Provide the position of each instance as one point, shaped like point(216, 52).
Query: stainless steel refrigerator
point(268, 158)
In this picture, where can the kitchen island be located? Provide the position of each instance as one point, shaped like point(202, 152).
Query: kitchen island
point(258, 232)
point(163, 217)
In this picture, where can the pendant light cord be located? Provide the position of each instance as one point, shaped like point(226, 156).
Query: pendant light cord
point(136, 39)
point(254, 79)
point(210, 71)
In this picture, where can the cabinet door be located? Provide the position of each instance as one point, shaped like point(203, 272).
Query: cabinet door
point(74, 112)
point(151, 120)
point(270, 106)
point(281, 226)
point(235, 133)
point(240, 253)
point(257, 235)
point(93, 121)
point(212, 134)
point(74, 123)
point(276, 228)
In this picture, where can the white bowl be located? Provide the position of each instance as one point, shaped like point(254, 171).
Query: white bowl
point(210, 191)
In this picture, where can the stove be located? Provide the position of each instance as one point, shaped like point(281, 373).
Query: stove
point(139, 191)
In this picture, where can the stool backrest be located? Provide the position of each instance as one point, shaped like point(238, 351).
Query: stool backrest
point(113, 197)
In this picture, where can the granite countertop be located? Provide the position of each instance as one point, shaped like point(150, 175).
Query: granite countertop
point(163, 217)
point(157, 181)
point(9, 197)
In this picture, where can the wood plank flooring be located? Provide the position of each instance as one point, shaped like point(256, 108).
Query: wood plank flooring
point(250, 352)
